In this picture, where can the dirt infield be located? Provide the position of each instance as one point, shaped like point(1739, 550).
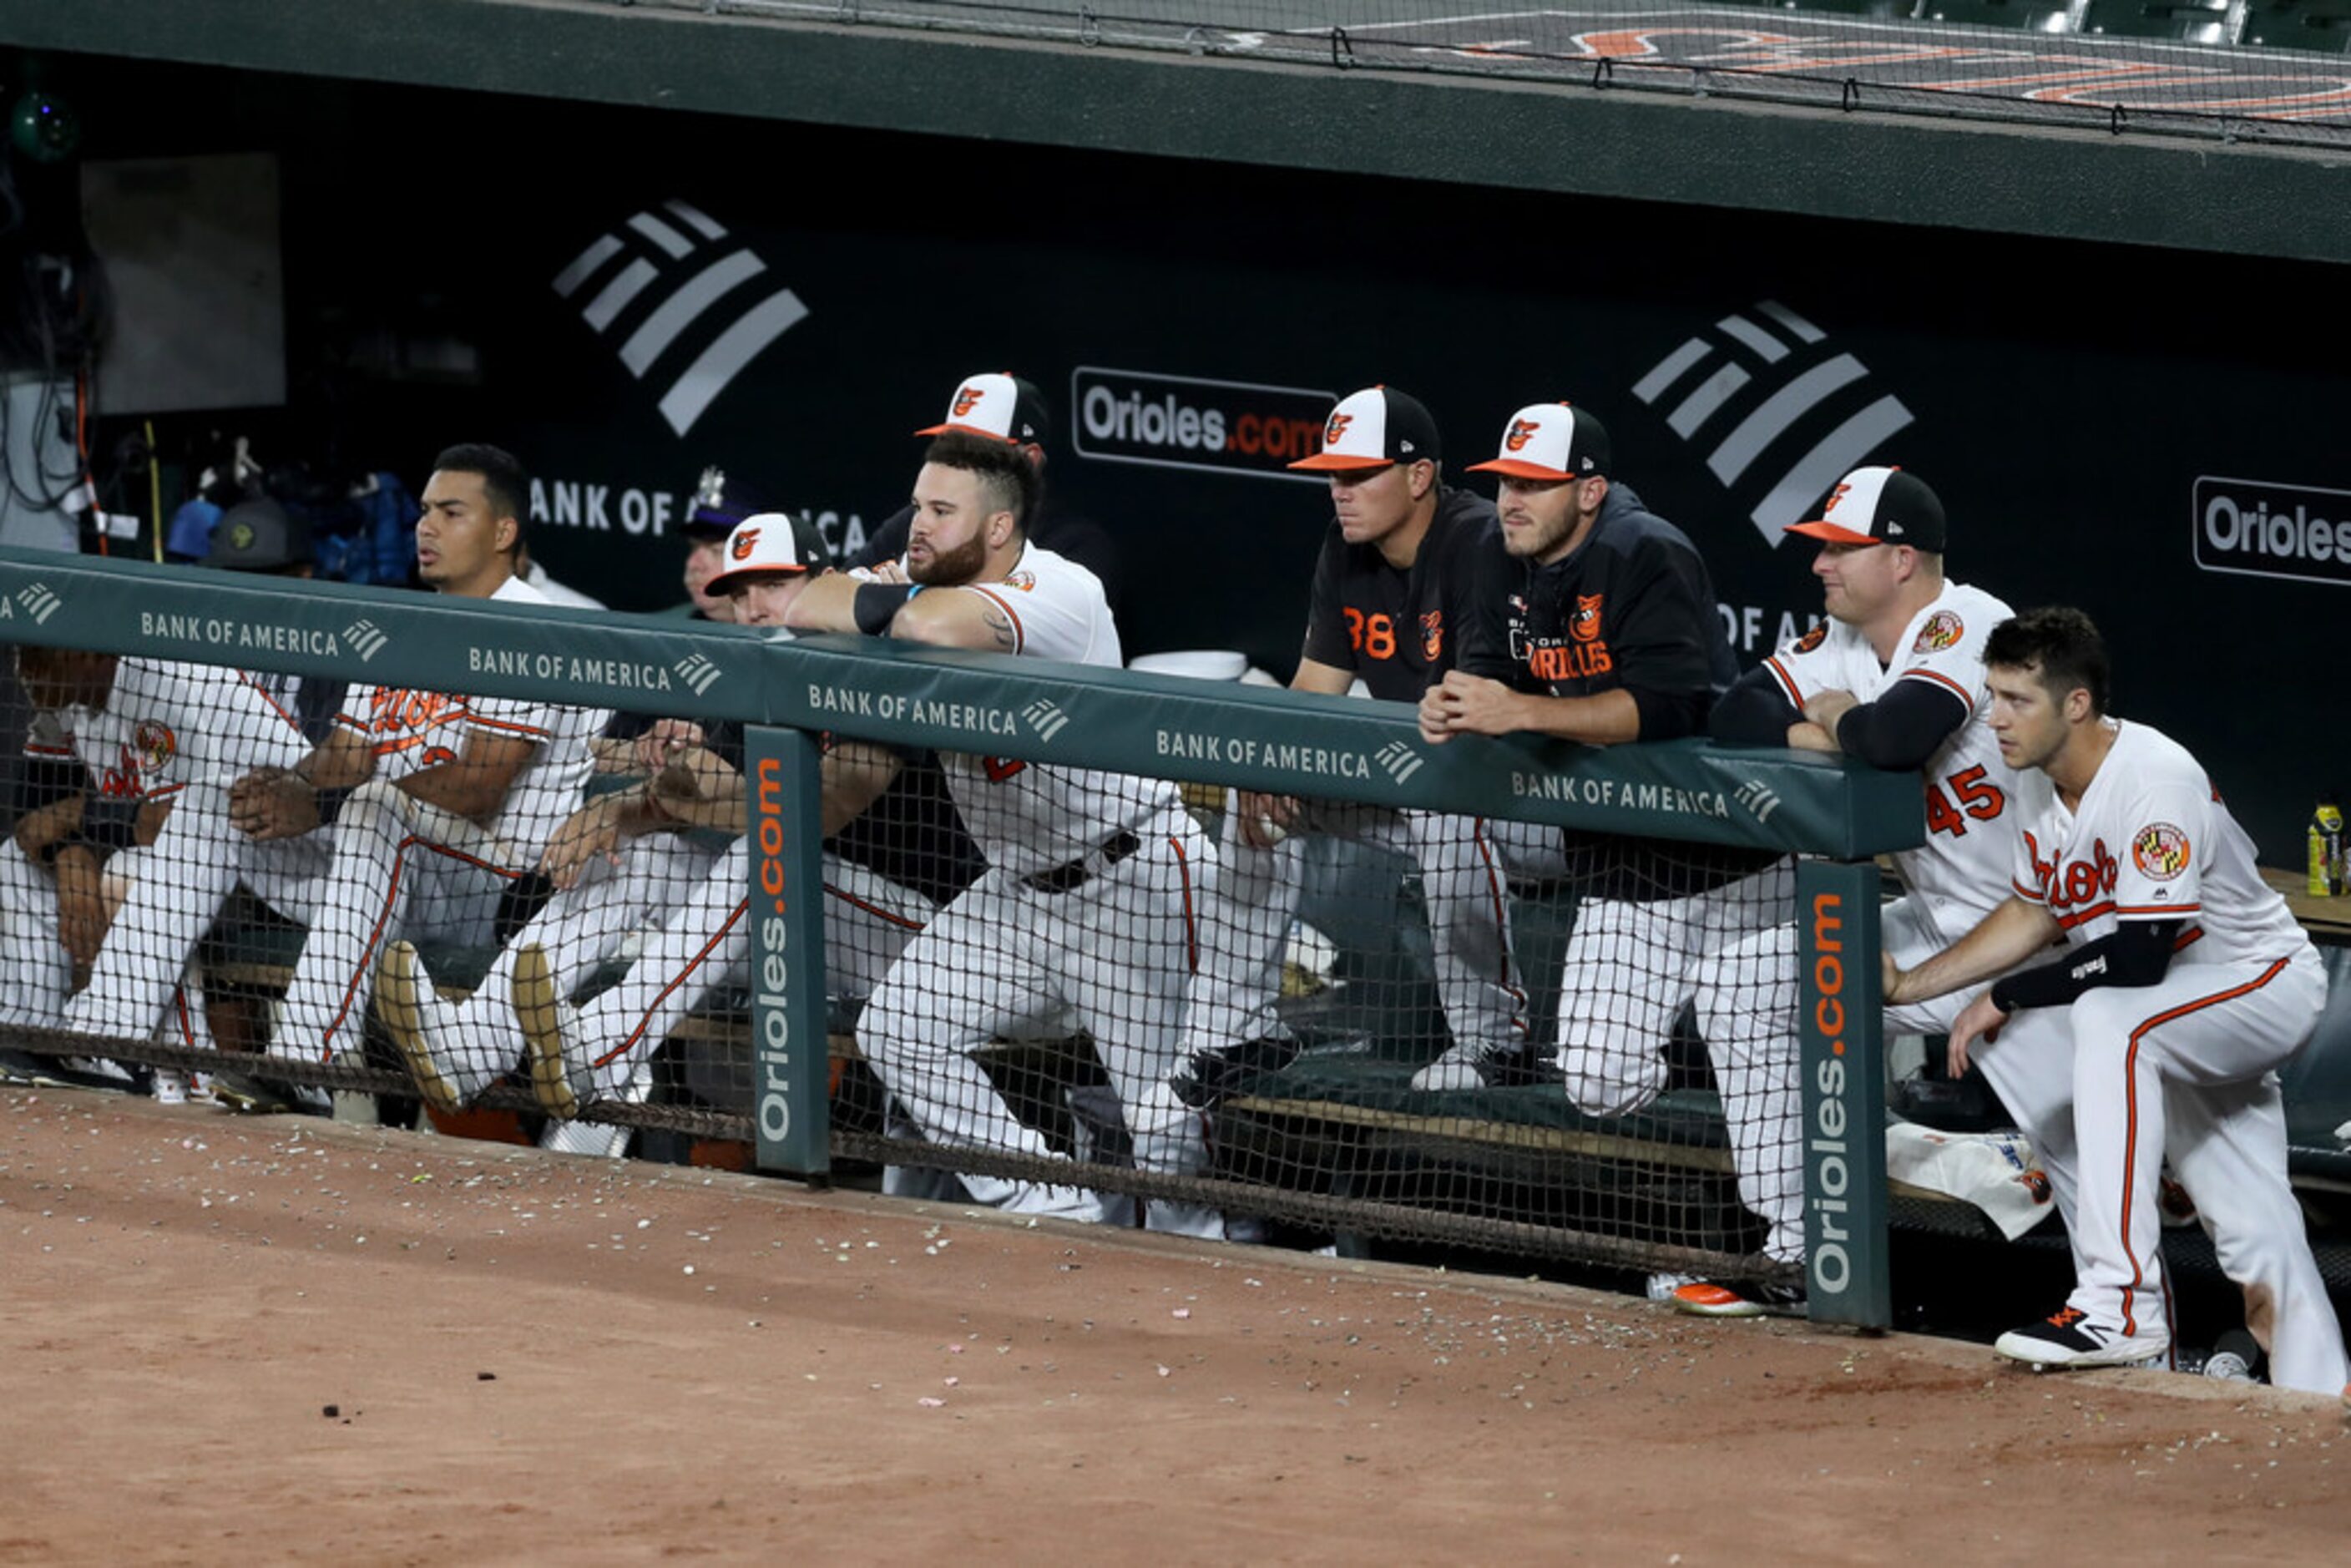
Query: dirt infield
point(240, 1339)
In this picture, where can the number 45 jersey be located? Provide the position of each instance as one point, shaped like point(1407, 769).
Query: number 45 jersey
point(1973, 810)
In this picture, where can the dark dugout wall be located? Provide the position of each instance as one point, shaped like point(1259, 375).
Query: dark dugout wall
point(2151, 435)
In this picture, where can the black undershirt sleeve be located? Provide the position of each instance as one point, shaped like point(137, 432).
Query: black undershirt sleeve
point(109, 824)
point(1755, 711)
point(2137, 953)
point(1902, 728)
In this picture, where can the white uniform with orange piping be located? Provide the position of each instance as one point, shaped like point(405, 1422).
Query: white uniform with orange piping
point(1086, 910)
point(2189, 1062)
point(164, 727)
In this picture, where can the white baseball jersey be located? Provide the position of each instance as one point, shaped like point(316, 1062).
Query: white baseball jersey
point(166, 724)
point(410, 730)
point(2151, 840)
point(1027, 817)
point(1961, 870)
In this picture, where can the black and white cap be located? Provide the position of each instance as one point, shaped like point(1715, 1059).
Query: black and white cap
point(1371, 429)
point(1878, 506)
point(997, 405)
point(1549, 441)
point(767, 543)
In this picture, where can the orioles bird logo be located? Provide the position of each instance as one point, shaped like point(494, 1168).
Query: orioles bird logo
point(1812, 639)
point(745, 538)
point(2036, 1182)
point(1432, 636)
point(967, 398)
point(1834, 496)
point(1336, 428)
point(1585, 625)
point(1521, 432)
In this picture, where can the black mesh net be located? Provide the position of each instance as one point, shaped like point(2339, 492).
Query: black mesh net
point(1054, 990)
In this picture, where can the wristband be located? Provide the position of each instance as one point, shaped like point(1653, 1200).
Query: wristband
point(878, 603)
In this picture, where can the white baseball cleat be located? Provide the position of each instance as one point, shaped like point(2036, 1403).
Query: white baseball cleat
point(550, 1033)
point(2069, 1339)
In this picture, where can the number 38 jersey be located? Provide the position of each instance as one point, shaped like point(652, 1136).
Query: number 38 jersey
point(1961, 872)
point(1396, 630)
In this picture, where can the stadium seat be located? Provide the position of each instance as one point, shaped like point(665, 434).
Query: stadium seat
point(2323, 25)
point(2183, 21)
point(2035, 15)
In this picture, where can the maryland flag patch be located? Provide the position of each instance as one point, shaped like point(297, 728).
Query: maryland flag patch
point(2160, 852)
point(1943, 630)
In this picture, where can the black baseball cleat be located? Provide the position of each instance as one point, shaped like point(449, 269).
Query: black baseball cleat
point(2069, 1338)
point(1212, 1075)
point(1741, 1299)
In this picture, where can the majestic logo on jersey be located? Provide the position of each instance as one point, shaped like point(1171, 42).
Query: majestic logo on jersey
point(1943, 630)
point(155, 743)
point(1812, 639)
point(1336, 428)
point(745, 541)
point(1521, 432)
point(966, 399)
point(1432, 636)
point(1585, 627)
point(2160, 852)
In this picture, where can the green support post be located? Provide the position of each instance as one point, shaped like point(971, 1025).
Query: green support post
point(1841, 1024)
point(792, 1060)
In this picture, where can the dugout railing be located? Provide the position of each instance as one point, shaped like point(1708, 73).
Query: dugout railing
point(1336, 1141)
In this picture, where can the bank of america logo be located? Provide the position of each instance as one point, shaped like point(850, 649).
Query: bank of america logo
point(1044, 718)
point(671, 279)
point(38, 601)
point(366, 640)
point(1401, 761)
point(1759, 387)
point(1759, 798)
point(697, 672)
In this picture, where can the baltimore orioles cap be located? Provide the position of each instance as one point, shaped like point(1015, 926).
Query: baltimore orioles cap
point(769, 542)
point(1878, 506)
point(998, 405)
point(1373, 428)
point(1549, 441)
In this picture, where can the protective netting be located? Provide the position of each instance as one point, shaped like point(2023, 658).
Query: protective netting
point(2271, 70)
point(1164, 1002)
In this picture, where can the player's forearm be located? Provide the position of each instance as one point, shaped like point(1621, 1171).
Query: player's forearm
point(828, 604)
point(52, 824)
point(464, 788)
point(1608, 718)
point(854, 776)
point(341, 762)
point(2002, 940)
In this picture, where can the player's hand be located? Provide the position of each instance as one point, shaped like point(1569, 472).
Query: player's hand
point(889, 572)
point(1982, 1020)
point(273, 803)
point(1464, 704)
point(1890, 979)
point(1825, 709)
point(660, 745)
point(1266, 820)
point(589, 833)
point(60, 819)
point(81, 908)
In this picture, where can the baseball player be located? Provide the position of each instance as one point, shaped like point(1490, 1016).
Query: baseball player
point(717, 507)
point(1596, 622)
point(1086, 905)
point(445, 803)
point(2185, 984)
point(1894, 676)
point(624, 862)
point(1392, 591)
point(147, 732)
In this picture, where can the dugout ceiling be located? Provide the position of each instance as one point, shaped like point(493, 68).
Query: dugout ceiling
point(2191, 194)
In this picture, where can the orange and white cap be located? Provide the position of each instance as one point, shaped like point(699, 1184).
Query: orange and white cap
point(996, 404)
point(1549, 441)
point(768, 542)
point(1879, 506)
point(1373, 428)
